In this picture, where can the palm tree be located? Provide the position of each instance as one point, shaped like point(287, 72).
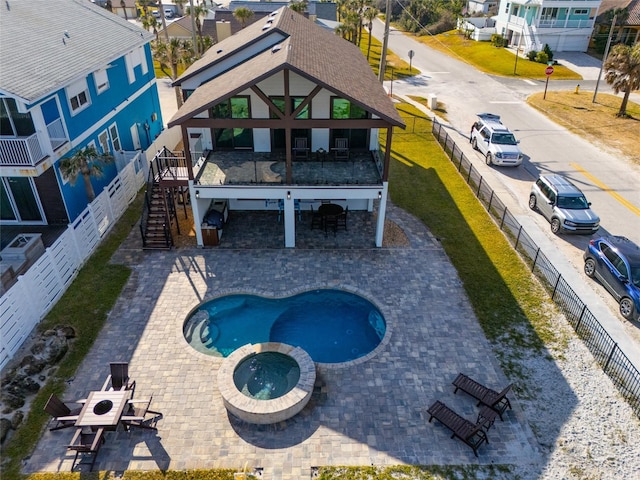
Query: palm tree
point(170, 55)
point(198, 12)
point(370, 14)
point(298, 7)
point(623, 72)
point(242, 14)
point(88, 163)
point(124, 9)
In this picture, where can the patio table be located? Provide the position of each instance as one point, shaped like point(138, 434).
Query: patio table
point(103, 409)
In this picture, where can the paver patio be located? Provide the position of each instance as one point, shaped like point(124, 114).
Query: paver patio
point(365, 412)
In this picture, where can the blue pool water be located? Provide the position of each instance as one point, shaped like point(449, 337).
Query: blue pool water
point(266, 375)
point(332, 326)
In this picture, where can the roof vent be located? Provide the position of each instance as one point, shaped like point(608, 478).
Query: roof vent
point(219, 51)
point(266, 26)
point(276, 48)
point(273, 14)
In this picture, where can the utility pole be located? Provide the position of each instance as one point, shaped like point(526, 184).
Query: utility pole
point(385, 41)
point(604, 59)
point(517, 52)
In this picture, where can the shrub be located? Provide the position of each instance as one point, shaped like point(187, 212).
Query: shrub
point(548, 51)
point(498, 40)
point(542, 57)
point(531, 55)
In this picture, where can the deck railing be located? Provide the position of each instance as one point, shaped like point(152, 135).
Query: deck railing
point(605, 350)
point(28, 151)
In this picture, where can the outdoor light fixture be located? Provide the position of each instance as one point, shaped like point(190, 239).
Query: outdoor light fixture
point(379, 195)
point(288, 195)
point(197, 193)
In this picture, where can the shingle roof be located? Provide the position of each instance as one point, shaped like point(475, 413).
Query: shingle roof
point(307, 49)
point(633, 7)
point(45, 45)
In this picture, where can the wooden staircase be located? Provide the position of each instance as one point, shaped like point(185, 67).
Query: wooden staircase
point(168, 175)
point(157, 218)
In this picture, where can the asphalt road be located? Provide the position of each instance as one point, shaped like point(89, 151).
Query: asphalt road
point(610, 182)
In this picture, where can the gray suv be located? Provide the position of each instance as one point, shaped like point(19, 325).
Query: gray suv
point(564, 205)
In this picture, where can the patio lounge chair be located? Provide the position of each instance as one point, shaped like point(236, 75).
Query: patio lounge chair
point(86, 442)
point(497, 401)
point(136, 414)
point(62, 414)
point(341, 150)
point(300, 148)
point(470, 433)
point(120, 377)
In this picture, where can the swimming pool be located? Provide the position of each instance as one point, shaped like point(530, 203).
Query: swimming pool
point(332, 326)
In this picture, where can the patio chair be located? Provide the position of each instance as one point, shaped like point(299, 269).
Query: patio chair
point(87, 443)
point(300, 148)
point(470, 433)
point(341, 149)
point(341, 220)
point(120, 377)
point(62, 414)
point(497, 401)
point(135, 415)
point(316, 219)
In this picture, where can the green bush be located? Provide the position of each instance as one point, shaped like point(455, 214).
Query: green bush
point(498, 40)
point(531, 55)
point(542, 57)
point(548, 51)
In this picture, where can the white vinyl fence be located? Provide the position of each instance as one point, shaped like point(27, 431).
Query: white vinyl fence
point(26, 303)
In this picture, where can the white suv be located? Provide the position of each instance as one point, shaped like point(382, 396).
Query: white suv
point(495, 141)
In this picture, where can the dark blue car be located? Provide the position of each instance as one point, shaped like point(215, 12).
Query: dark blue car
point(615, 262)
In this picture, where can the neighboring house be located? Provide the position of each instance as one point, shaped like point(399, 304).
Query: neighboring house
point(220, 25)
point(314, 8)
point(70, 77)
point(480, 6)
point(627, 31)
point(565, 26)
point(265, 112)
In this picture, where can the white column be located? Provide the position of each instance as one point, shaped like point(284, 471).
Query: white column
point(289, 221)
point(382, 210)
point(197, 216)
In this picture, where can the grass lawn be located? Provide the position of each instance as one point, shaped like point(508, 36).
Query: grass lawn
point(492, 60)
point(596, 122)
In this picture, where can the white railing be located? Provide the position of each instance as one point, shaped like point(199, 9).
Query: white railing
point(24, 151)
point(26, 303)
point(553, 23)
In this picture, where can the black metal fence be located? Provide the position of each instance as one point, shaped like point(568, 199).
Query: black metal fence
point(613, 361)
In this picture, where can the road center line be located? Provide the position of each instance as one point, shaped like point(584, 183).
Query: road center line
point(530, 82)
point(607, 189)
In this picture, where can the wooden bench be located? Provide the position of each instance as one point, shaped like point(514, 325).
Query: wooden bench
point(467, 431)
point(497, 401)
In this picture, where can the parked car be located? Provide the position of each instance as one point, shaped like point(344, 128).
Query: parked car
point(563, 205)
point(495, 141)
point(615, 262)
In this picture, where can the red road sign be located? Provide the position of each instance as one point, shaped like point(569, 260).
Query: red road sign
point(549, 70)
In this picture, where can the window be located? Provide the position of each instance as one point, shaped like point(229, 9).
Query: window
point(115, 138)
point(235, 107)
point(241, 138)
point(581, 11)
point(102, 80)
point(78, 95)
point(103, 139)
point(341, 108)
point(295, 103)
point(12, 122)
point(132, 60)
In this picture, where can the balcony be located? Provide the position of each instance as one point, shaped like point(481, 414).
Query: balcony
point(29, 151)
point(269, 169)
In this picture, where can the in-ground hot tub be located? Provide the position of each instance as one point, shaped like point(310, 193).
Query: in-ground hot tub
point(266, 382)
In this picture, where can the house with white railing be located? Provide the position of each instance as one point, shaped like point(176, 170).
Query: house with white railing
point(284, 115)
point(565, 25)
point(72, 75)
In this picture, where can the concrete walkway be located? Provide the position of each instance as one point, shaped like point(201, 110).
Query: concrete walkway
point(361, 413)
